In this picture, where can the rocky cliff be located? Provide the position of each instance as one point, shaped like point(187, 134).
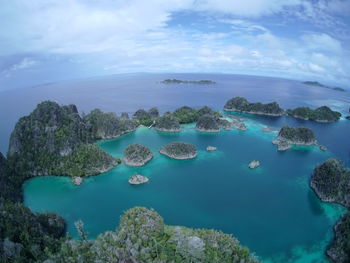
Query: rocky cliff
point(55, 140)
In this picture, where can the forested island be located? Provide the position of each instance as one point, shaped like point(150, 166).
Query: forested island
point(179, 150)
point(318, 84)
point(289, 136)
point(321, 114)
point(331, 182)
point(179, 81)
point(241, 104)
point(137, 155)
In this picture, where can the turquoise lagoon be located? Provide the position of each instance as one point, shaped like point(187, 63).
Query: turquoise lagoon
point(270, 209)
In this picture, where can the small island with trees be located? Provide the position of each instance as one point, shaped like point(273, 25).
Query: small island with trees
point(137, 155)
point(289, 136)
point(179, 150)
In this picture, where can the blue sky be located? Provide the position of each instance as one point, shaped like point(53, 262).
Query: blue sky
point(52, 40)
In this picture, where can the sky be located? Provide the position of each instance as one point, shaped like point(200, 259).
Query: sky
point(44, 41)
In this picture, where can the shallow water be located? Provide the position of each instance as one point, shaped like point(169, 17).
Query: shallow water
point(270, 209)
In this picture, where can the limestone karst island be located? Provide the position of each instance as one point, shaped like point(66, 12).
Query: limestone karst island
point(174, 131)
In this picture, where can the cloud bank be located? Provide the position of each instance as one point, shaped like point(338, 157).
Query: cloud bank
point(290, 38)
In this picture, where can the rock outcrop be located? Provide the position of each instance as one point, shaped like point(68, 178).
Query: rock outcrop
point(77, 180)
point(240, 104)
point(179, 150)
point(254, 164)
point(288, 136)
point(167, 123)
point(211, 148)
point(138, 179)
point(321, 114)
point(137, 155)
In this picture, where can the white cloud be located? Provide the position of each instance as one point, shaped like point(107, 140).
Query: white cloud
point(322, 42)
point(25, 63)
point(246, 8)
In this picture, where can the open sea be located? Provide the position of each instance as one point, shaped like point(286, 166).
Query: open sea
point(270, 209)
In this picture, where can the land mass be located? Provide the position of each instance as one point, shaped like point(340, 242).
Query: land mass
point(321, 114)
point(179, 150)
point(241, 104)
point(318, 84)
point(179, 81)
point(142, 236)
point(137, 155)
point(331, 182)
point(288, 136)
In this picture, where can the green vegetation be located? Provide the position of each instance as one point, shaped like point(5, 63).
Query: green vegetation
point(339, 250)
point(178, 81)
point(208, 123)
point(146, 118)
point(297, 135)
point(55, 140)
point(143, 237)
point(318, 84)
point(137, 155)
point(25, 236)
point(102, 125)
point(179, 150)
point(331, 182)
point(86, 160)
point(321, 114)
point(241, 104)
point(187, 114)
point(167, 123)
